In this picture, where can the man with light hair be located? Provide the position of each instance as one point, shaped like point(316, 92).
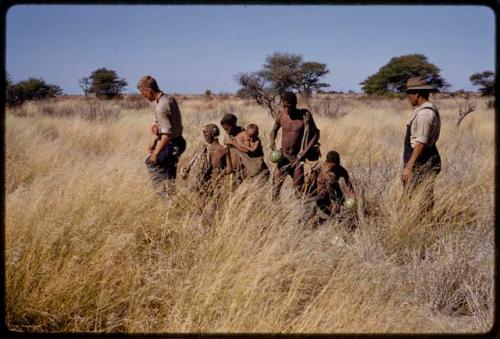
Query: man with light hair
point(421, 159)
point(167, 143)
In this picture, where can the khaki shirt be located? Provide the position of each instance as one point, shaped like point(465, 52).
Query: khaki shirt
point(168, 116)
point(425, 125)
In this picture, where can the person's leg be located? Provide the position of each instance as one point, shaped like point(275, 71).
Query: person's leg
point(170, 174)
point(298, 180)
point(158, 178)
point(429, 191)
point(278, 180)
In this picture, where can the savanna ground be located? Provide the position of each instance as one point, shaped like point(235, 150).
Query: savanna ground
point(90, 247)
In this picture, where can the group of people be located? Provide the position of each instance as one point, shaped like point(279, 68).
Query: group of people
point(241, 154)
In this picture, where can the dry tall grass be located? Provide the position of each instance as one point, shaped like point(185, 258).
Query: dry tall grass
point(89, 246)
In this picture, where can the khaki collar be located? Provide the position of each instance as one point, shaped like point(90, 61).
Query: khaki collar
point(421, 107)
point(158, 99)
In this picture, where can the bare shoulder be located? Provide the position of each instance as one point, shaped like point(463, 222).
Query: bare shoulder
point(243, 135)
point(278, 117)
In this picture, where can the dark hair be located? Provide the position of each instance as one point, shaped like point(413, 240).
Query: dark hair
point(290, 98)
point(333, 157)
point(253, 126)
point(229, 119)
point(212, 129)
point(425, 93)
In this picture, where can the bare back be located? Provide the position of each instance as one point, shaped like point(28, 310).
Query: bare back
point(217, 155)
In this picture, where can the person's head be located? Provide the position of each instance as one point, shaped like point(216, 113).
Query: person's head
point(253, 130)
point(289, 101)
point(332, 160)
point(228, 122)
point(148, 87)
point(418, 90)
point(210, 133)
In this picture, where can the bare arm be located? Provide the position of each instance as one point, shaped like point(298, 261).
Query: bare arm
point(163, 141)
point(152, 144)
point(229, 164)
point(315, 131)
point(245, 148)
point(350, 188)
point(408, 169)
point(274, 132)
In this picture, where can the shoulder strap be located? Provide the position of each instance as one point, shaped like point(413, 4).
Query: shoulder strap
point(427, 107)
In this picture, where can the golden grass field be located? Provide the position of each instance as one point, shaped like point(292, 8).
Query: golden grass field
point(90, 247)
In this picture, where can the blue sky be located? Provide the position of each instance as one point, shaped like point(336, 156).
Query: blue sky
point(193, 48)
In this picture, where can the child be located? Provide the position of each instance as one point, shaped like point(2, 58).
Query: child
point(322, 184)
point(215, 159)
point(251, 152)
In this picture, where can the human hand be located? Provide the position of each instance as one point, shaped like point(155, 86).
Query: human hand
point(153, 158)
point(406, 175)
point(151, 147)
point(272, 146)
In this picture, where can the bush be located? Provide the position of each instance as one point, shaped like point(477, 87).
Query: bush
point(31, 89)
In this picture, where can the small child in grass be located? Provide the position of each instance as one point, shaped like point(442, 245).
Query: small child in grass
point(322, 184)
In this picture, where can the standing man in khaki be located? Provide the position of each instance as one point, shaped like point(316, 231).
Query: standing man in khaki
point(422, 162)
point(167, 143)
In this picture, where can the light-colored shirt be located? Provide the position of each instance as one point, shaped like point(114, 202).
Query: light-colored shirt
point(168, 116)
point(425, 125)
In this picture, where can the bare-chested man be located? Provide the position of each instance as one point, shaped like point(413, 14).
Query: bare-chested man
point(292, 120)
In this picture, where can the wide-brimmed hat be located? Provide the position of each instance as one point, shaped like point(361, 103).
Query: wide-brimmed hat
point(419, 83)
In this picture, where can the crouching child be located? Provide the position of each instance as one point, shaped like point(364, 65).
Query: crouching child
point(322, 186)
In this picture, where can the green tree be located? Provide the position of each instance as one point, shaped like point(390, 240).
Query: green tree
point(485, 81)
point(31, 89)
point(282, 70)
point(391, 78)
point(309, 76)
point(104, 83)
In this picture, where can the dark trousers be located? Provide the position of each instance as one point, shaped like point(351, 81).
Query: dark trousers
point(165, 168)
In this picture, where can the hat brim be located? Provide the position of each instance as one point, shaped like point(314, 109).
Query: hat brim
point(422, 88)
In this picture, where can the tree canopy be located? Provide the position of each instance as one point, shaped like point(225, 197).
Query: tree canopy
point(485, 81)
point(104, 83)
point(281, 72)
point(391, 78)
point(30, 89)
point(310, 74)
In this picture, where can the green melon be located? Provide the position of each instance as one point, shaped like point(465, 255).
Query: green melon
point(276, 156)
point(350, 203)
